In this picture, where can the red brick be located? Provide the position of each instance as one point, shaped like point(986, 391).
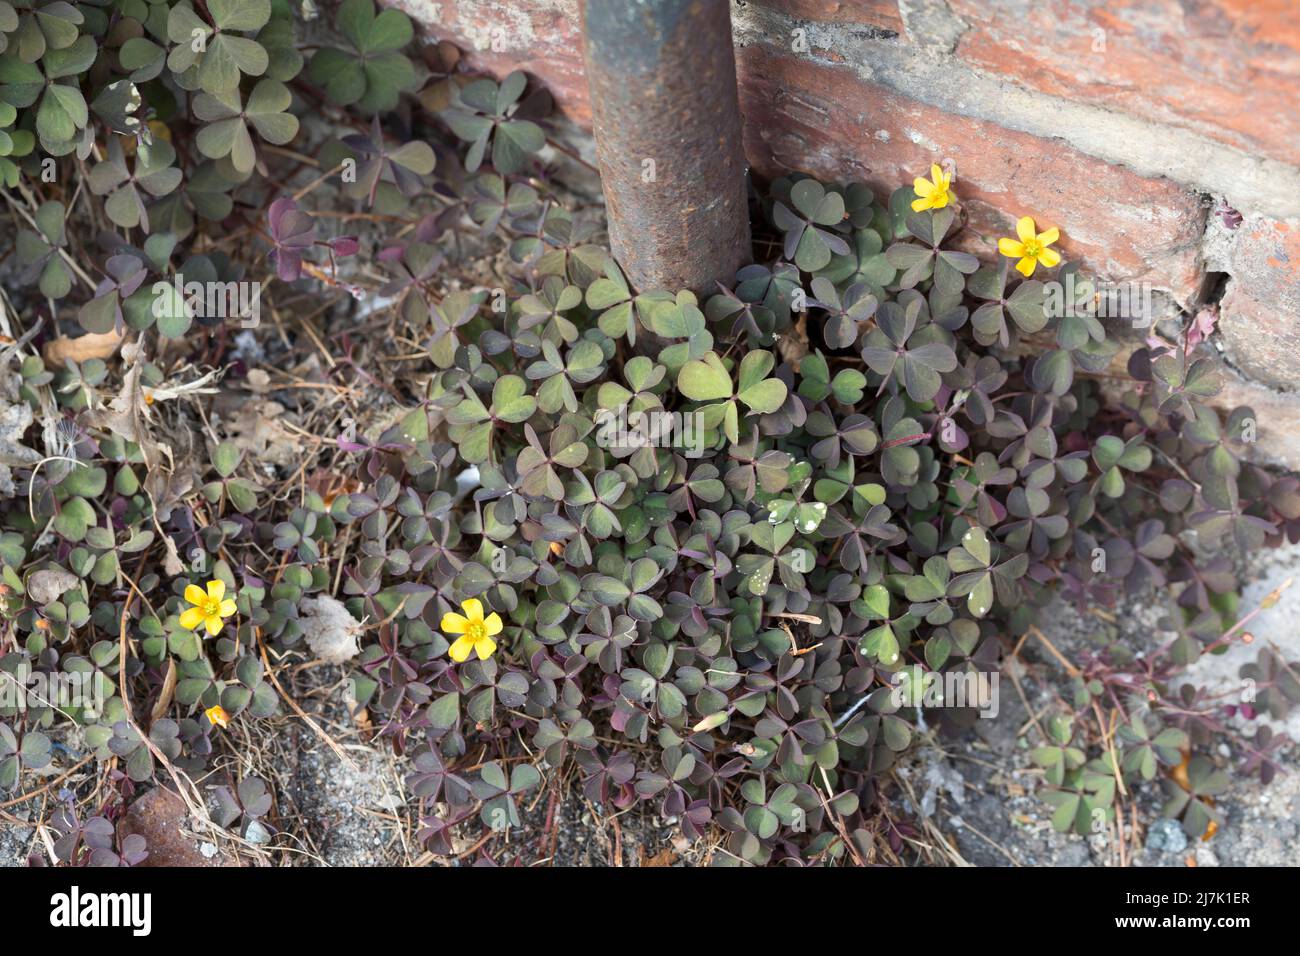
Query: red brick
point(800, 115)
point(881, 14)
point(544, 37)
point(1227, 69)
point(826, 120)
point(1260, 313)
point(540, 37)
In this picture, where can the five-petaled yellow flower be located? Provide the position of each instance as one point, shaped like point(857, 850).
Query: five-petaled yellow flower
point(1031, 249)
point(209, 607)
point(935, 192)
point(475, 631)
point(218, 716)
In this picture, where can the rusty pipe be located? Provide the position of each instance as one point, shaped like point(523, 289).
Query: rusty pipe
point(666, 116)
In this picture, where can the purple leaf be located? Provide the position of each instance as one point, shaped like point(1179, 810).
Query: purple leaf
point(345, 246)
point(292, 231)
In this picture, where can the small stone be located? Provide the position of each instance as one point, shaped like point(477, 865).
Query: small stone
point(161, 817)
point(1167, 836)
point(1073, 854)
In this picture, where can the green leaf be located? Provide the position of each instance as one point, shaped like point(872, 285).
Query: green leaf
point(510, 401)
point(765, 397)
point(705, 380)
point(243, 15)
point(391, 30)
point(980, 599)
point(99, 315)
point(225, 458)
point(976, 542)
point(881, 644)
point(876, 598)
point(444, 713)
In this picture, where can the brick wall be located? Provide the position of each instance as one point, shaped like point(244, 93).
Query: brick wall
point(1161, 136)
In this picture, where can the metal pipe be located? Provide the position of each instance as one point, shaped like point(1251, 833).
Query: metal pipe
point(662, 77)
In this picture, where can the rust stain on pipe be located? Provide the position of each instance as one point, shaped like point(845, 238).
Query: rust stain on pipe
point(662, 76)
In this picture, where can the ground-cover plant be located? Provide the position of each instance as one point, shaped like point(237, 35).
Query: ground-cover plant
point(704, 550)
point(900, 498)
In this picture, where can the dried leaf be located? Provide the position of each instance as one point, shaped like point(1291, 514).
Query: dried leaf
point(46, 586)
point(165, 695)
point(172, 562)
point(92, 345)
point(792, 346)
point(330, 630)
point(14, 421)
point(257, 430)
point(126, 413)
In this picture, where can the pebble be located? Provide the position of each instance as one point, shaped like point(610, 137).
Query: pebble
point(1167, 835)
point(160, 816)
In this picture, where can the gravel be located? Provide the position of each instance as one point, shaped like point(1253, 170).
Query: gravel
point(1002, 821)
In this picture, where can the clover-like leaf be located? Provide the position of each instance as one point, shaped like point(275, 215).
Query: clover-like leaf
point(227, 119)
point(488, 113)
point(293, 231)
point(372, 74)
point(809, 244)
point(405, 166)
point(902, 349)
point(151, 172)
point(210, 54)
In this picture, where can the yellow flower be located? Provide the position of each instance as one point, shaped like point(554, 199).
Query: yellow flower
point(475, 631)
point(1032, 247)
point(209, 607)
point(935, 192)
point(218, 716)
